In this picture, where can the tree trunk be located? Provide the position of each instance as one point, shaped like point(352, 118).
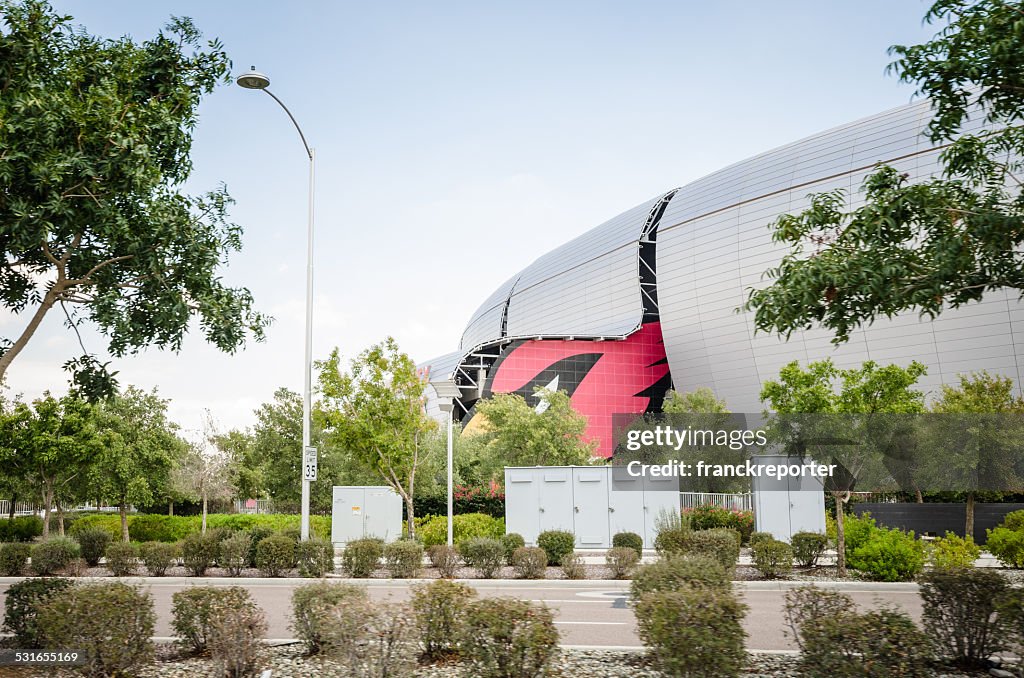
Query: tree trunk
point(840, 535)
point(918, 495)
point(33, 324)
point(60, 517)
point(204, 513)
point(969, 522)
point(410, 528)
point(170, 507)
point(14, 502)
point(123, 510)
point(47, 502)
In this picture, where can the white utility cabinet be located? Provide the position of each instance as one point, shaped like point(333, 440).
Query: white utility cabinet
point(365, 511)
point(785, 506)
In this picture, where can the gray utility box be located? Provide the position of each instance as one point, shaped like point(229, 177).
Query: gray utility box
point(785, 506)
point(365, 511)
point(588, 501)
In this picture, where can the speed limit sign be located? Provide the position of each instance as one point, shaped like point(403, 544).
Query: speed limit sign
point(309, 463)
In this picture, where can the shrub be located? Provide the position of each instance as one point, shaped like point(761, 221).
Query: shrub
point(773, 558)
point(92, 543)
point(556, 543)
point(672, 540)
point(403, 559)
point(889, 555)
point(756, 537)
point(233, 553)
point(434, 529)
point(315, 557)
point(621, 560)
point(808, 547)
point(711, 517)
point(21, 605)
point(235, 640)
point(675, 572)
point(110, 623)
point(508, 638)
point(630, 540)
point(194, 608)
point(199, 552)
point(808, 605)
point(573, 567)
point(530, 562)
point(122, 558)
point(311, 604)
point(511, 542)
point(156, 527)
point(373, 640)
point(1006, 545)
point(76, 568)
point(721, 544)
point(858, 530)
point(484, 555)
point(53, 555)
point(960, 614)
point(274, 555)
point(13, 558)
point(157, 556)
point(21, 529)
point(690, 630)
point(439, 607)
point(877, 644)
point(953, 552)
point(256, 535)
point(361, 557)
point(445, 558)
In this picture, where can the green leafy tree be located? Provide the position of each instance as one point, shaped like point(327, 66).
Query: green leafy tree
point(521, 434)
point(375, 411)
point(929, 245)
point(705, 411)
point(822, 388)
point(699, 401)
point(138, 452)
point(96, 136)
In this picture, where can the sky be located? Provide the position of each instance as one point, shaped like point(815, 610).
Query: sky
point(456, 142)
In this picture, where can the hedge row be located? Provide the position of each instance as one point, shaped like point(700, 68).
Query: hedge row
point(152, 527)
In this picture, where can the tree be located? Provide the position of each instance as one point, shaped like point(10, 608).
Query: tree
point(96, 136)
point(139, 447)
point(924, 246)
point(982, 455)
point(700, 401)
point(822, 388)
point(703, 410)
point(375, 411)
point(204, 473)
point(520, 434)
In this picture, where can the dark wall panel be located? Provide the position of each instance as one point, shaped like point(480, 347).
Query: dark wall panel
point(937, 519)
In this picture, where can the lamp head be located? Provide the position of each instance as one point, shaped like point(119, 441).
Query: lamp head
point(253, 80)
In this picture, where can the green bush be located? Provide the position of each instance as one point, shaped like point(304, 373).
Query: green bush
point(556, 543)
point(122, 558)
point(722, 544)
point(445, 558)
point(233, 553)
point(511, 542)
point(1007, 545)
point(403, 559)
point(960, 614)
point(439, 607)
point(156, 527)
point(110, 623)
point(108, 522)
point(484, 555)
point(361, 557)
point(881, 643)
point(14, 558)
point(199, 552)
point(773, 558)
point(53, 555)
point(256, 535)
point(711, 517)
point(508, 638)
point(673, 539)
point(275, 555)
point(158, 556)
point(21, 605)
point(92, 543)
point(953, 552)
point(530, 562)
point(630, 540)
point(858, 530)
point(690, 630)
point(373, 639)
point(22, 528)
point(676, 572)
point(808, 547)
point(194, 609)
point(621, 560)
point(311, 604)
point(236, 638)
point(806, 606)
point(315, 557)
point(889, 555)
point(434, 529)
point(573, 567)
point(756, 537)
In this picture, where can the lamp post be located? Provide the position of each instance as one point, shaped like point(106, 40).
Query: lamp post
point(447, 392)
point(256, 80)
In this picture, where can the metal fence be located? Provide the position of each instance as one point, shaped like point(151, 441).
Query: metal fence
point(734, 502)
point(20, 509)
point(254, 506)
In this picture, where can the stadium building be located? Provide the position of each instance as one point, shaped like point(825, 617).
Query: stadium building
point(647, 300)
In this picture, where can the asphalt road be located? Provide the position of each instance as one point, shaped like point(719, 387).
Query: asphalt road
point(587, 613)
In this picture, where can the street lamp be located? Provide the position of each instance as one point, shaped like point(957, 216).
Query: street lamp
point(447, 392)
point(256, 80)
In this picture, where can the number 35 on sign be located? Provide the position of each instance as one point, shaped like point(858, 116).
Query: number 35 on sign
point(309, 463)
